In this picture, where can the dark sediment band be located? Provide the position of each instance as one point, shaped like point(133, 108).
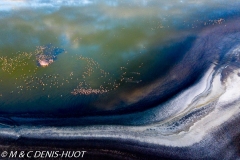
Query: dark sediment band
point(217, 145)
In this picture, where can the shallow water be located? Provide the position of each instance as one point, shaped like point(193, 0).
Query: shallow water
point(108, 50)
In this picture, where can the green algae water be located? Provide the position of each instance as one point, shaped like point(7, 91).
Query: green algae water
point(101, 54)
point(89, 57)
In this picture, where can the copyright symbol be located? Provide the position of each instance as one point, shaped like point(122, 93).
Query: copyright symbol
point(4, 154)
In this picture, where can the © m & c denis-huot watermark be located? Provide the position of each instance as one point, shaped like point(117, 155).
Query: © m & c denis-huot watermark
point(43, 154)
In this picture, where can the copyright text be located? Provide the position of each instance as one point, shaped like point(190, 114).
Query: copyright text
point(43, 154)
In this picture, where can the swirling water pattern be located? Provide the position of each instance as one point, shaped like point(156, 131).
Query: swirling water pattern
point(148, 74)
